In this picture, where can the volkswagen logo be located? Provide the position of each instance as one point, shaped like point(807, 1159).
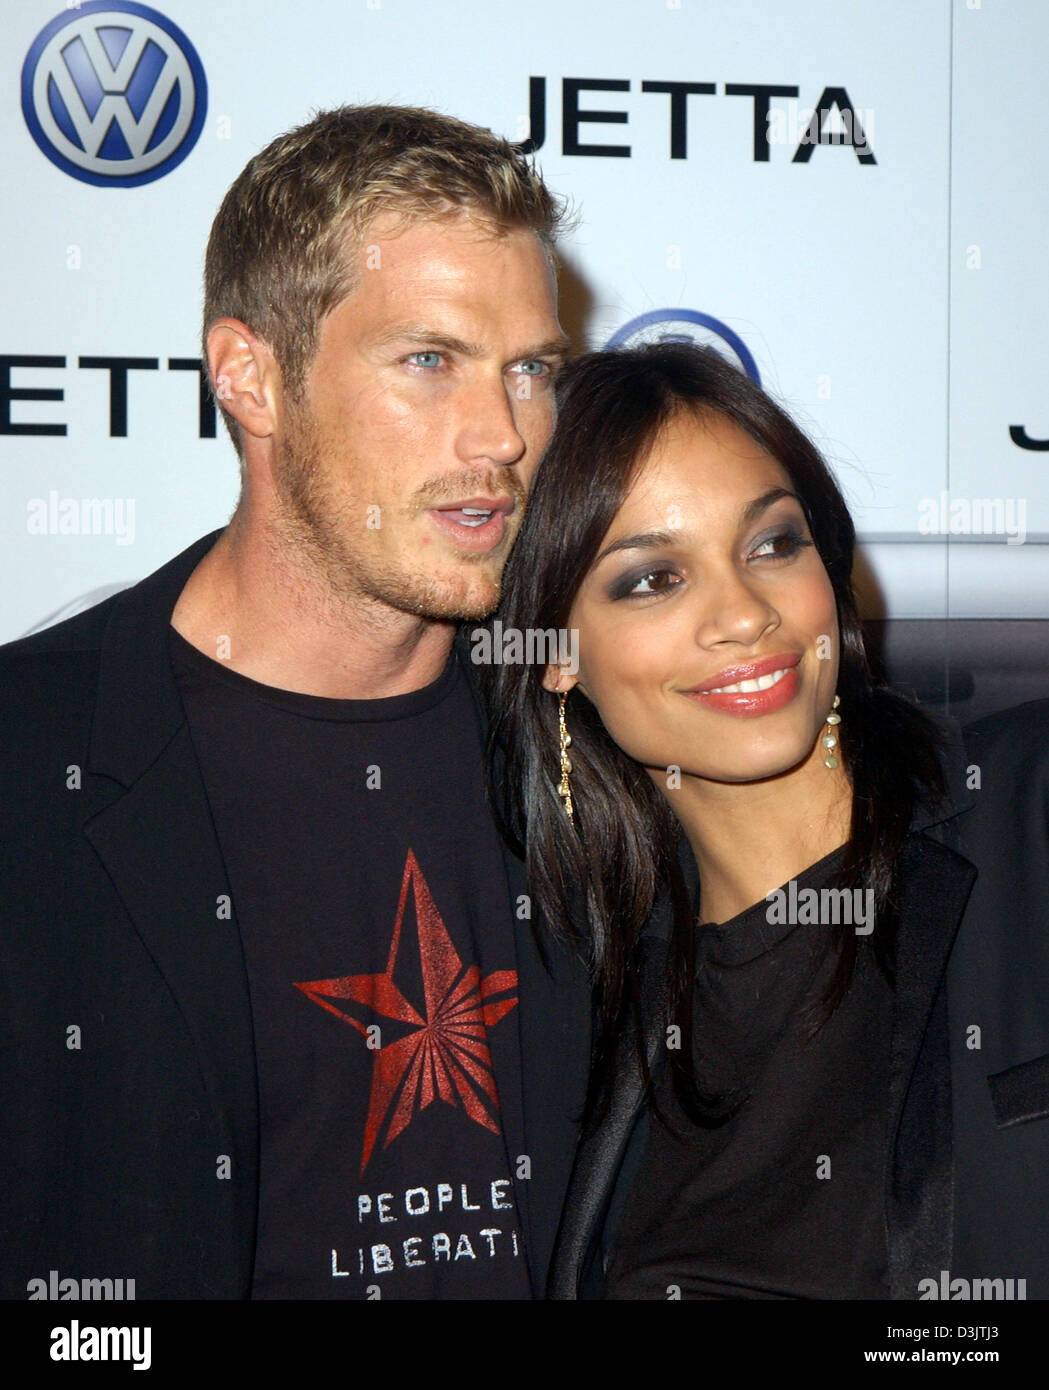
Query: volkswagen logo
point(687, 326)
point(114, 93)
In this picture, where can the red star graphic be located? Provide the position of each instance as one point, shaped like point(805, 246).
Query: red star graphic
point(446, 1054)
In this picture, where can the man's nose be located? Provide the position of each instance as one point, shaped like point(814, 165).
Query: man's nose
point(488, 430)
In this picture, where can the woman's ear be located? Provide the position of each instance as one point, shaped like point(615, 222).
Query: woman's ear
point(558, 679)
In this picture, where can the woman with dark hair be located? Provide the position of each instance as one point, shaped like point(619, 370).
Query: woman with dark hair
point(758, 847)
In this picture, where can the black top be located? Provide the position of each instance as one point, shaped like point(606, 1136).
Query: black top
point(784, 1198)
point(370, 893)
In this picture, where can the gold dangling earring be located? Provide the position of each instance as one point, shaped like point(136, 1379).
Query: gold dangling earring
point(564, 790)
point(830, 737)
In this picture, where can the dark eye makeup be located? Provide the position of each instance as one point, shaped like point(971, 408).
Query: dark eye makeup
point(786, 541)
point(781, 542)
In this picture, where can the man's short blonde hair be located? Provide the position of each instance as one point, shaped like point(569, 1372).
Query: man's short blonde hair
point(279, 257)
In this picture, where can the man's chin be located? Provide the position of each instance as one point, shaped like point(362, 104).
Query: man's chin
point(462, 609)
point(445, 599)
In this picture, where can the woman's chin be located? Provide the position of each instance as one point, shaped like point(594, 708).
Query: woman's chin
point(765, 765)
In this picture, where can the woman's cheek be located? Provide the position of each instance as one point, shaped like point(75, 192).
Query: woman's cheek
point(631, 718)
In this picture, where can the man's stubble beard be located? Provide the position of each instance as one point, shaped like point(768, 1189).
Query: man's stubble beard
point(315, 527)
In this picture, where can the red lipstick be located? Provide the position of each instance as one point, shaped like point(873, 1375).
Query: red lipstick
point(772, 682)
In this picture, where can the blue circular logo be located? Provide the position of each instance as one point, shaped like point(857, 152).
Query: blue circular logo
point(114, 93)
point(687, 326)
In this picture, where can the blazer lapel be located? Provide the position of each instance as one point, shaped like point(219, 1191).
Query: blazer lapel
point(155, 837)
point(608, 1133)
point(158, 845)
point(935, 887)
point(554, 1029)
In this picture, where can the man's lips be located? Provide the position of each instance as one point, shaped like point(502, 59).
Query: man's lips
point(753, 687)
point(472, 505)
point(475, 523)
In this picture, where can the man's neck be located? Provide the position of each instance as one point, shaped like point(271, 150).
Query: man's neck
point(250, 606)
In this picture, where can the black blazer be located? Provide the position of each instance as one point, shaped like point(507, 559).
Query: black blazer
point(967, 1186)
point(128, 1085)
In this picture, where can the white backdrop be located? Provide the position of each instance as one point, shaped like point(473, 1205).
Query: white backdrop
point(891, 291)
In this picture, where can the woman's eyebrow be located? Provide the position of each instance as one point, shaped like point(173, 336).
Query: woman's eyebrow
point(644, 540)
point(754, 509)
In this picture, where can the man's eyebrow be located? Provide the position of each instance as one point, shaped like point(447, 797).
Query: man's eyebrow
point(427, 337)
point(430, 338)
point(553, 347)
point(653, 540)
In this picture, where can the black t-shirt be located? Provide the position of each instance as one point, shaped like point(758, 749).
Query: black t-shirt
point(785, 1198)
point(370, 892)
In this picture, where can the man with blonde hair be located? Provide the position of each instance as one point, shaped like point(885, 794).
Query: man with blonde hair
point(319, 1047)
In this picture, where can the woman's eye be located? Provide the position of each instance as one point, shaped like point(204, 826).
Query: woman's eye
point(781, 545)
point(425, 359)
point(651, 582)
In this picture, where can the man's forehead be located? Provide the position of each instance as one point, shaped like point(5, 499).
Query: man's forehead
point(400, 233)
point(435, 273)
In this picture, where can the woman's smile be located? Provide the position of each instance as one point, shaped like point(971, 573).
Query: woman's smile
point(756, 687)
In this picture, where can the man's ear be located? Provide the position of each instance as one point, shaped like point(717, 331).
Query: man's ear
point(558, 679)
point(246, 376)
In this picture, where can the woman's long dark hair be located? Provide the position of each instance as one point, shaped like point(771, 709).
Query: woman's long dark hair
point(620, 852)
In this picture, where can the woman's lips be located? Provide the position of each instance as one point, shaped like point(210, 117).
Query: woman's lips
point(758, 687)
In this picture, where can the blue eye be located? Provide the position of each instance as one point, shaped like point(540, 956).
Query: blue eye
point(538, 368)
point(432, 359)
